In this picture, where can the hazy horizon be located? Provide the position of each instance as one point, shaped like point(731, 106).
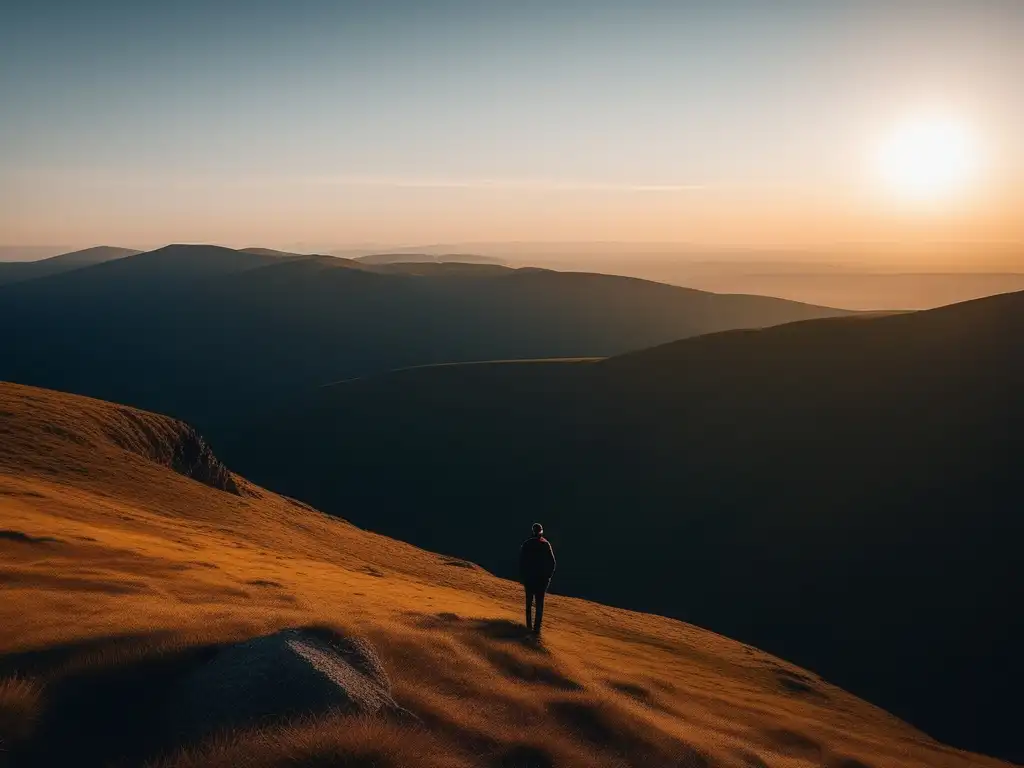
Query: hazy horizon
point(924, 256)
point(794, 126)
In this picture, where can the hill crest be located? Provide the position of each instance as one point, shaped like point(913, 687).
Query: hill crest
point(20, 271)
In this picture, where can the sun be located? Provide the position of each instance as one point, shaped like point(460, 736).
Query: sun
point(929, 159)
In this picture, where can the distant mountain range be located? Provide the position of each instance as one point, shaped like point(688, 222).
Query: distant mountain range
point(438, 258)
point(844, 492)
point(841, 278)
point(864, 277)
point(208, 333)
point(860, 288)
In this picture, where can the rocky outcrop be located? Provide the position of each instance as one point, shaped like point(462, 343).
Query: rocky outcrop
point(289, 674)
point(193, 458)
point(173, 444)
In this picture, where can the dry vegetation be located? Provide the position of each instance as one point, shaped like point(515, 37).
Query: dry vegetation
point(116, 571)
point(19, 706)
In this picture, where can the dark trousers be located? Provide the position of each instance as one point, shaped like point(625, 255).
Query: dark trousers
point(534, 592)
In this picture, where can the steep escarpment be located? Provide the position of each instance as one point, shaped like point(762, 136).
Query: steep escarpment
point(37, 427)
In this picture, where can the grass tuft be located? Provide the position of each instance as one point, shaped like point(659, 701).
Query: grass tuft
point(20, 704)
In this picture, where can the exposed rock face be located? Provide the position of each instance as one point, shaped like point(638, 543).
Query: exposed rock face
point(268, 679)
point(175, 445)
point(193, 458)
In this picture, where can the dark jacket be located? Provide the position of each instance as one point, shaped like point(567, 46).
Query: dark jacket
point(536, 561)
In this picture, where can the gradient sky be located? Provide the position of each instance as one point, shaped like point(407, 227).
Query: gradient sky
point(331, 122)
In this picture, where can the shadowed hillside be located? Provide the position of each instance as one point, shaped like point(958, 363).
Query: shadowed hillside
point(843, 492)
point(207, 333)
point(124, 579)
point(20, 271)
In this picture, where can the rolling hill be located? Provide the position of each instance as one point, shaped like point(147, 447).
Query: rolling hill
point(209, 333)
point(132, 556)
point(842, 492)
point(19, 271)
point(9, 253)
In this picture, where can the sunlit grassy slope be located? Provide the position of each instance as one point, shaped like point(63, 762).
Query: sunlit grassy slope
point(110, 555)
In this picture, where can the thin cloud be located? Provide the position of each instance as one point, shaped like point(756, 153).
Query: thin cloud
point(106, 178)
point(513, 184)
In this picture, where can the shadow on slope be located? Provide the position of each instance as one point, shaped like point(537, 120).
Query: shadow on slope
point(127, 699)
point(118, 700)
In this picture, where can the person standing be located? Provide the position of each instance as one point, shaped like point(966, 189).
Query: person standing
point(536, 565)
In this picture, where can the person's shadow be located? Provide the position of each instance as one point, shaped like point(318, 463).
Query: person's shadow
point(509, 631)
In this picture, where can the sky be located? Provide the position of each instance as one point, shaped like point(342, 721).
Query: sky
point(333, 122)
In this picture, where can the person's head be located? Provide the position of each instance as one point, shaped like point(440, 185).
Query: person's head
point(538, 529)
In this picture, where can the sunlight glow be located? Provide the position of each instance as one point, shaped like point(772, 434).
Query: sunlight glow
point(929, 159)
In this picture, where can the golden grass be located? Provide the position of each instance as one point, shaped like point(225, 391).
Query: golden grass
point(116, 571)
